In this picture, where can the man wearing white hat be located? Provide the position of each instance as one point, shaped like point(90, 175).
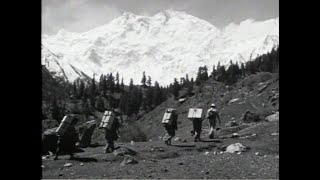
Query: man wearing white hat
point(212, 116)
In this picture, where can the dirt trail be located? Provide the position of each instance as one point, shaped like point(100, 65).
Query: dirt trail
point(181, 160)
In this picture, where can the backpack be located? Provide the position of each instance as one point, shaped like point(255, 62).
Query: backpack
point(107, 120)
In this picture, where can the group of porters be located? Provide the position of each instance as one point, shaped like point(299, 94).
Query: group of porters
point(170, 117)
point(111, 122)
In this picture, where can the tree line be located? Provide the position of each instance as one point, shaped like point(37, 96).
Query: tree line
point(111, 92)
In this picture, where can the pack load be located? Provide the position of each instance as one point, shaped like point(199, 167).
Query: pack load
point(86, 132)
point(168, 116)
point(195, 113)
point(107, 120)
point(65, 123)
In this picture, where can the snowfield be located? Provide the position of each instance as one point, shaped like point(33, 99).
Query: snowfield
point(166, 45)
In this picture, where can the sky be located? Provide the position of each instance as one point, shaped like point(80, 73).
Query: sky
point(83, 15)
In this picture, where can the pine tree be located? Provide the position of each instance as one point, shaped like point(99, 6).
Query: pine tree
point(156, 94)
point(204, 74)
point(75, 91)
point(149, 83)
point(144, 79)
point(117, 83)
point(122, 85)
point(175, 88)
point(81, 89)
point(92, 90)
point(131, 85)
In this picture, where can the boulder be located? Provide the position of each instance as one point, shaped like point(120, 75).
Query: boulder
point(273, 117)
point(67, 165)
point(233, 100)
point(128, 160)
point(249, 117)
point(237, 147)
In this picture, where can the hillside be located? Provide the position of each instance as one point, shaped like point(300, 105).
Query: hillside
point(249, 98)
point(258, 93)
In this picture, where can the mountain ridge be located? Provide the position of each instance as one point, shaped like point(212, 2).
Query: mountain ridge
point(166, 45)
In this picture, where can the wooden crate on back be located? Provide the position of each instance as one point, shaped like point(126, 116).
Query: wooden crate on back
point(167, 117)
point(195, 113)
point(65, 123)
point(107, 120)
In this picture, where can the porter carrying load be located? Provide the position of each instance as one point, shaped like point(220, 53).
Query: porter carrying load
point(169, 122)
point(195, 115)
point(111, 124)
point(213, 117)
point(168, 116)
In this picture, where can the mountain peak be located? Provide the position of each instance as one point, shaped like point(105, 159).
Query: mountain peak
point(166, 45)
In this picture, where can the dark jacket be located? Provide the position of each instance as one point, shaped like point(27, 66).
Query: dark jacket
point(112, 133)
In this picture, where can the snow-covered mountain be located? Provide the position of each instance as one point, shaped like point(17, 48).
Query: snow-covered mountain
point(166, 45)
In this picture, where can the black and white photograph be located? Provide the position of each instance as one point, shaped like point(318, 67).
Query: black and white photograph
point(160, 89)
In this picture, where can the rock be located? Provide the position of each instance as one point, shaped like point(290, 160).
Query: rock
point(81, 164)
point(121, 151)
point(233, 100)
point(182, 100)
point(165, 170)
point(42, 166)
point(238, 152)
point(177, 139)
point(231, 124)
point(273, 117)
point(128, 160)
point(132, 143)
point(206, 153)
point(45, 157)
point(214, 152)
point(265, 156)
point(237, 147)
point(274, 134)
point(257, 153)
point(249, 117)
point(67, 165)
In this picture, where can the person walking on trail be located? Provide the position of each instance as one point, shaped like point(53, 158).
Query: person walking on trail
point(197, 129)
point(111, 134)
point(170, 124)
point(213, 116)
point(67, 141)
point(195, 115)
